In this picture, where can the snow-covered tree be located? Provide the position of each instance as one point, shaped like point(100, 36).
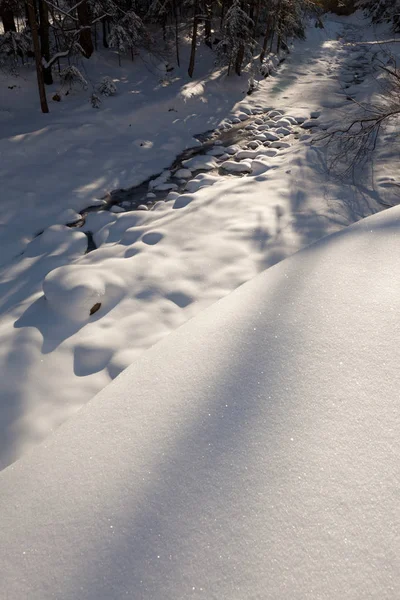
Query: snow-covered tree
point(128, 32)
point(382, 11)
point(235, 47)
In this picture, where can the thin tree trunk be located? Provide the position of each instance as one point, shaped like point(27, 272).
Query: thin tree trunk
point(38, 58)
point(207, 23)
point(272, 36)
point(7, 17)
point(44, 31)
point(223, 8)
point(194, 38)
point(265, 42)
point(57, 50)
point(85, 35)
point(104, 28)
point(257, 17)
point(175, 8)
point(95, 36)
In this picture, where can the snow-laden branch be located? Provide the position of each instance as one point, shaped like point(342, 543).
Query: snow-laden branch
point(47, 63)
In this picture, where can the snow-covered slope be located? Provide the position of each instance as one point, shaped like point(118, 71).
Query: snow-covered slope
point(253, 453)
point(154, 270)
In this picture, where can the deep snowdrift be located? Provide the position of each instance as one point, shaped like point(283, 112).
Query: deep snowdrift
point(253, 453)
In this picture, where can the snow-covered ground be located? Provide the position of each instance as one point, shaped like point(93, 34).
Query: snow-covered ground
point(154, 270)
point(253, 453)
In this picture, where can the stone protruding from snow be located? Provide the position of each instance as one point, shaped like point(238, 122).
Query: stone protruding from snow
point(232, 150)
point(310, 124)
point(216, 151)
point(283, 131)
point(183, 173)
point(280, 144)
point(165, 187)
point(272, 137)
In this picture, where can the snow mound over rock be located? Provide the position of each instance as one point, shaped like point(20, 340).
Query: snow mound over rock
point(202, 180)
point(236, 167)
point(75, 290)
point(200, 163)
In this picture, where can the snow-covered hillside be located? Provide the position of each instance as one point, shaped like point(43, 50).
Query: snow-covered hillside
point(154, 270)
point(253, 453)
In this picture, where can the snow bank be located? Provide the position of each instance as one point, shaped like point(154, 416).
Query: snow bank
point(251, 454)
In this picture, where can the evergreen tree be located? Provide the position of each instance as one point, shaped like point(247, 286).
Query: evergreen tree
point(235, 47)
point(383, 11)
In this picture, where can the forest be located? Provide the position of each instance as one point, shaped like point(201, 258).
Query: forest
point(54, 34)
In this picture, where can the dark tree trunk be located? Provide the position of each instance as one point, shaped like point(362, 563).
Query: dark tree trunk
point(38, 58)
point(44, 31)
point(257, 16)
point(251, 10)
point(175, 8)
point(7, 17)
point(104, 28)
point(207, 23)
point(239, 60)
point(265, 42)
point(194, 38)
point(223, 9)
point(85, 35)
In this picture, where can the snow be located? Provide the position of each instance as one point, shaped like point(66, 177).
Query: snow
point(169, 261)
point(74, 291)
point(232, 166)
point(251, 453)
point(200, 181)
point(198, 163)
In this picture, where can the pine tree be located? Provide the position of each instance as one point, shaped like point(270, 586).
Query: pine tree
point(382, 11)
point(235, 46)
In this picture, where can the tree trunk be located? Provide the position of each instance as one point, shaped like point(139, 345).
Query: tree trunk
point(38, 58)
point(194, 38)
point(223, 8)
point(104, 28)
point(265, 42)
point(175, 8)
point(7, 17)
point(85, 35)
point(239, 60)
point(44, 30)
point(207, 23)
point(257, 17)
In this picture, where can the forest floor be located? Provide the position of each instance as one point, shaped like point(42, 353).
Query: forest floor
point(153, 270)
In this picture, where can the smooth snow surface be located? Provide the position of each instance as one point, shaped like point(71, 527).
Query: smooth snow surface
point(253, 453)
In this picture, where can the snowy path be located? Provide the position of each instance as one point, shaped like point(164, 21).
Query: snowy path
point(154, 270)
